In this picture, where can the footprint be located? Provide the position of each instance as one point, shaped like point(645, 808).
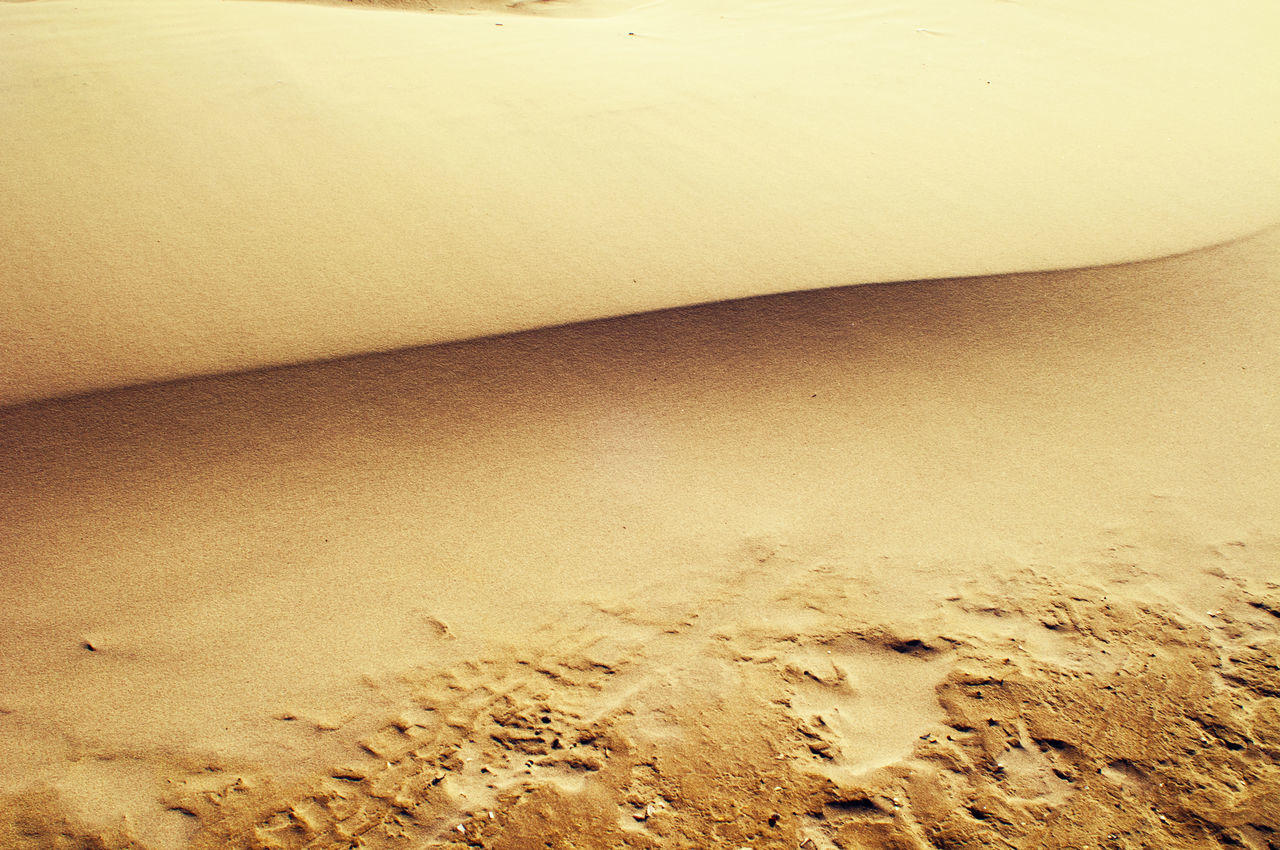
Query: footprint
point(863, 708)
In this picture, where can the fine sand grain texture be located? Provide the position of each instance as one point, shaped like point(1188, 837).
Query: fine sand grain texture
point(985, 562)
point(200, 186)
point(990, 558)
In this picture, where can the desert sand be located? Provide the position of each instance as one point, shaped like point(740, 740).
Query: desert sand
point(201, 186)
point(915, 483)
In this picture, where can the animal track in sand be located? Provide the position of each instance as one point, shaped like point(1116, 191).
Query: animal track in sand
point(862, 706)
point(698, 724)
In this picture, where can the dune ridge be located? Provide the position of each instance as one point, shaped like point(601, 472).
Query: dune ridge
point(202, 187)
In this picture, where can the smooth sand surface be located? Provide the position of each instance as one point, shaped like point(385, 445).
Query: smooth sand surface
point(974, 562)
point(200, 186)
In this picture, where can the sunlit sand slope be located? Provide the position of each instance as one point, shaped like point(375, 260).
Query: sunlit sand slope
point(968, 563)
point(193, 186)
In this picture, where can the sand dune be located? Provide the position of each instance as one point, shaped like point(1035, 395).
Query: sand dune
point(983, 559)
point(979, 562)
point(204, 186)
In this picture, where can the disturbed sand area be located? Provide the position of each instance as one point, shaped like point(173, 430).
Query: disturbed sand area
point(1044, 714)
point(984, 562)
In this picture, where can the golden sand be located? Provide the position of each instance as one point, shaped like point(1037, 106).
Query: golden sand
point(969, 562)
point(199, 186)
point(976, 561)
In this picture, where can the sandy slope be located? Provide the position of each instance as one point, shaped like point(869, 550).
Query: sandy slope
point(969, 563)
point(196, 186)
point(964, 563)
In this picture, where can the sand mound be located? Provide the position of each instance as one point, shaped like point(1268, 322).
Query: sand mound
point(969, 562)
point(198, 186)
point(987, 562)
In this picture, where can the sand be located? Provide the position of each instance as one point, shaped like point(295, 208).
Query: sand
point(985, 558)
point(200, 186)
point(964, 563)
